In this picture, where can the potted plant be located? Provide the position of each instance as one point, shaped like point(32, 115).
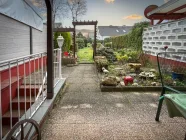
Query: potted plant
point(178, 73)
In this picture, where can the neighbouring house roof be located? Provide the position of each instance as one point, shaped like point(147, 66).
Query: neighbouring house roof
point(22, 11)
point(172, 10)
point(114, 30)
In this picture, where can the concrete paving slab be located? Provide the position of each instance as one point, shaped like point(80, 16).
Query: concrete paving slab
point(85, 113)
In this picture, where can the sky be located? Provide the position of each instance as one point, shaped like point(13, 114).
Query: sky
point(115, 12)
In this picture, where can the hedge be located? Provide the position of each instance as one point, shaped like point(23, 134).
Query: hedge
point(109, 44)
point(67, 40)
point(132, 39)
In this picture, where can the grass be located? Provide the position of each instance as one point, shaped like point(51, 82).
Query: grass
point(85, 55)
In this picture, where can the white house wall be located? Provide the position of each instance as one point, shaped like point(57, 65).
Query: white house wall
point(171, 34)
point(39, 40)
point(14, 39)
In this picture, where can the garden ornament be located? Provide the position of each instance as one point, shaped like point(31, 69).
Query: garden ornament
point(128, 80)
point(105, 70)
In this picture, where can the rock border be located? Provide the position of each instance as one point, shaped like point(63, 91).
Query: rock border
point(131, 88)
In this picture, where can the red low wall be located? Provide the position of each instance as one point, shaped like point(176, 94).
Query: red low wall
point(153, 60)
point(5, 96)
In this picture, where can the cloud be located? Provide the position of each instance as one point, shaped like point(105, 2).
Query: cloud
point(109, 1)
point(133, 17)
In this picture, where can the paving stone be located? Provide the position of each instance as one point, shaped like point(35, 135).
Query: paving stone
point(167, 131)
point(131, 130)
point(74, 87)
point(93, 132)
point(58, 132)
point(86, 113)
point(90, 80)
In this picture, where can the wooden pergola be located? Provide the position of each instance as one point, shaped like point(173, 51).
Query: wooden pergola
point(94, 23)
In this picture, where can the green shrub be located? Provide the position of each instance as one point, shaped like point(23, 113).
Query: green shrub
point(123, 59)
point(67, 40)
point(101, 63)
point(98, 45)
point(108, 44)
point(133, 56)
point(131, 40)
point(80, 42)
point(107, 40)
point(127, 55)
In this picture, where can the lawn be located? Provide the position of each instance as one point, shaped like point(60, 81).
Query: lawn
point(85, 54)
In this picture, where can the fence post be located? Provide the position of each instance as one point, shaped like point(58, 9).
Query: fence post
point(59, 51)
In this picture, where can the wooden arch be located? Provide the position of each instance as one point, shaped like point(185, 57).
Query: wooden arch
point(76, 23)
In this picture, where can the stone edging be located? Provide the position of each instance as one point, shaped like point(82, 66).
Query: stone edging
point(130, 88)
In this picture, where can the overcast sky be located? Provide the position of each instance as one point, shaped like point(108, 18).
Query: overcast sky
point(116, 12)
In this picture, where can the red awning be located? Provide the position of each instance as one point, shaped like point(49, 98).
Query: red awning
point(172, 10)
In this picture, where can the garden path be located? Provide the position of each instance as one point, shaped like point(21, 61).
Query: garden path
point(85, 113)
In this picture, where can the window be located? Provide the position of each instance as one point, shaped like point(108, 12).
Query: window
point(117, 31)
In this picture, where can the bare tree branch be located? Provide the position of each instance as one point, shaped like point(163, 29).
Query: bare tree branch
point(60, 8)
point(77, 8)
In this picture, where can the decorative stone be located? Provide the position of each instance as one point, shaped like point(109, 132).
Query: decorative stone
point(109, 81)
point(153, 70)
point(99, 57)
point(118, 68)
point(153, 83)
point(118, 79)
point(132, 74)
point(135, 66)
point(122, 83)
point(128, 79)
point(135, 84)
point(147, 75)
point(132, 70)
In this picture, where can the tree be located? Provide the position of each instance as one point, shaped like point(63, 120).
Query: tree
point(79, 35)
point(77, 8)
point(80, 42)
point(60, 9)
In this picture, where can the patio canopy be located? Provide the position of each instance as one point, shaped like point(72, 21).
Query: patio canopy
point(22, 11)
point(172, 10)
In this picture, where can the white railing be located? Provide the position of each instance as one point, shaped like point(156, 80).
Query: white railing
point(29, 75)
point(57, 66)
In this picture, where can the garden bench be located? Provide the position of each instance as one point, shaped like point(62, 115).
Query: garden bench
point(172, 72)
